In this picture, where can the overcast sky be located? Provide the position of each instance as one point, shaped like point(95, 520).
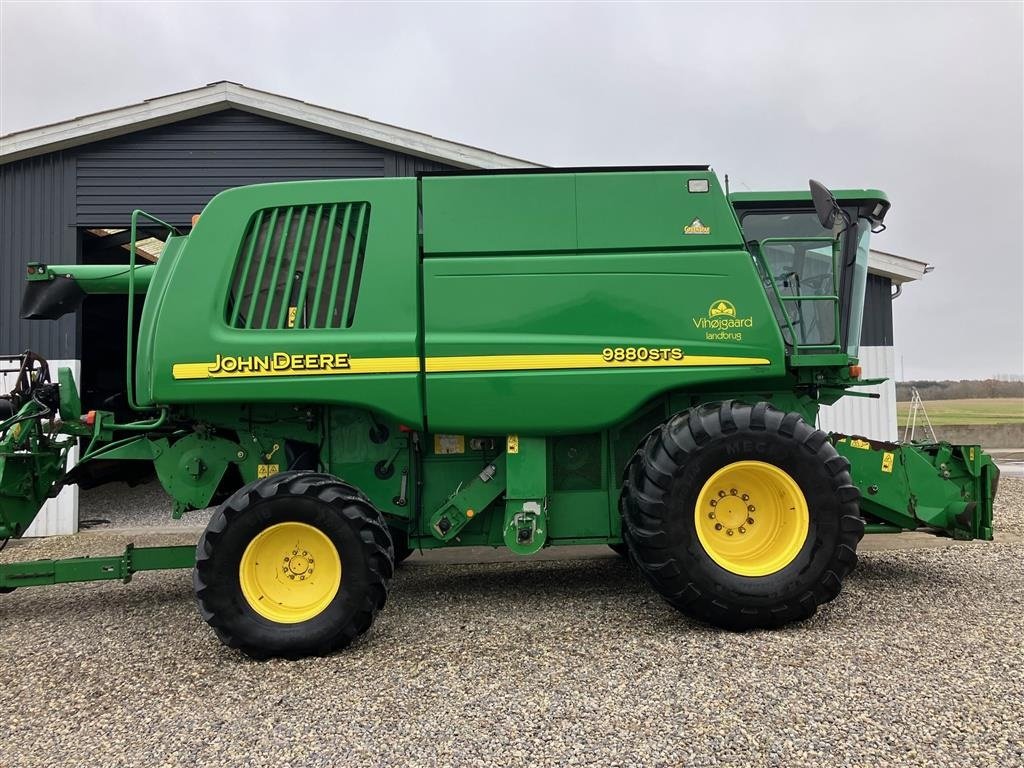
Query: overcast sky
point(923, 101)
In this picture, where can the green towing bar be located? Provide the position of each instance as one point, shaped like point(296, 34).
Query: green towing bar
point(35, 573)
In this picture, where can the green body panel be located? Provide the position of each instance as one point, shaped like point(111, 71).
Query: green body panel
point(582, 305)
point(514, 213)
point(531, 267)
point(567, 313)
point(559, 212)
point(184, 317)
point(513, 265)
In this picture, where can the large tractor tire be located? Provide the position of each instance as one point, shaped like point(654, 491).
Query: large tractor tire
point(741, 516)
point(294, 565)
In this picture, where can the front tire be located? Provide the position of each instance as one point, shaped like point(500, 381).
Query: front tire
point(293, 565)
point(741, 516)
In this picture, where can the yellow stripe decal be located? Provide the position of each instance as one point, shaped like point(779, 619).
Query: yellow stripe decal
point(573, 362)
point(299, 365)
point(218, 370)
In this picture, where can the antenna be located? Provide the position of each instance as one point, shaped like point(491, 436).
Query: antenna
point(917, 407)
point(727, 185)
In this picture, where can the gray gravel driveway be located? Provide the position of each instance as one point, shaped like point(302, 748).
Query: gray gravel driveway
point(554, 662)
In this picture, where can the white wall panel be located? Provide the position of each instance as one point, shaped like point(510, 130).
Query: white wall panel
point(863, 416)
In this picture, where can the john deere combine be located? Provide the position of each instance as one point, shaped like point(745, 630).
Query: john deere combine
point(355, 369)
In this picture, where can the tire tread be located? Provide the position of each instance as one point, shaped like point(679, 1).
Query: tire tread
point(645, 509)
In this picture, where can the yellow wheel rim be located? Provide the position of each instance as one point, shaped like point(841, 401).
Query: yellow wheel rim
point(751, 518)
point(290, 572)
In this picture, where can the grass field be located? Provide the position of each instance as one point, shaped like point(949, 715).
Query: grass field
point(993, 410)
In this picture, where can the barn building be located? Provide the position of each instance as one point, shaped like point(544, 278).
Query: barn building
point(67, 191)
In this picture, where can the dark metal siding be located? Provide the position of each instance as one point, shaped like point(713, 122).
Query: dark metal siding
point(877, 328)
point(36, 207)
point(408, 165)
point(173, 171)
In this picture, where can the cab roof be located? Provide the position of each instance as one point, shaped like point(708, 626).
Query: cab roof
point(872, 204)
point(801, 196)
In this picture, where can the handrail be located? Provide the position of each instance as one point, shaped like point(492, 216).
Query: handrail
point(129, 368)
point(781, 299)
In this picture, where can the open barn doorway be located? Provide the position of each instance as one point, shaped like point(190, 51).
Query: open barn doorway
point(104, 343)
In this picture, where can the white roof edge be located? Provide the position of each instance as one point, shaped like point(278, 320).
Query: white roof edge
point(226, 95)
point(899, 269)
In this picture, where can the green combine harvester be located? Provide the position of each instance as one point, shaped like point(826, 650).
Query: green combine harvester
point(353, 370)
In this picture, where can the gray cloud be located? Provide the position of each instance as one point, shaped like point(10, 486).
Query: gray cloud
point(923, 101)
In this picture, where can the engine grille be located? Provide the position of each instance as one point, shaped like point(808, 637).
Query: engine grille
point(300, 267)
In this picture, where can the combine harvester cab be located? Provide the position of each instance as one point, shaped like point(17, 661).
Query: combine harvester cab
point(351, 370)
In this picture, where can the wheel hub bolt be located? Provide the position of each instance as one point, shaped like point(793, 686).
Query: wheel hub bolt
point(721, 494)
point(742, 529)
point(711, 515)
point(718, 526)
point(745, 497)
point(714, 502)
point(732, 491)
point(750, 508)
point(750, 521)
point(729, 531)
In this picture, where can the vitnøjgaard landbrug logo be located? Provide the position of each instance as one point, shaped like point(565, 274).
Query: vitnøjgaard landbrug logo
point(722, 323)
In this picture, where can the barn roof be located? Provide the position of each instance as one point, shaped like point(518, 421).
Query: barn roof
point(899, 269)
point(225, 95)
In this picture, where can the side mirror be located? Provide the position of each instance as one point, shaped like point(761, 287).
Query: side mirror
point(825, 204)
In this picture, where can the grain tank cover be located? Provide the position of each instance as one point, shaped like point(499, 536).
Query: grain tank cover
point(564, 300)
point(571, 209)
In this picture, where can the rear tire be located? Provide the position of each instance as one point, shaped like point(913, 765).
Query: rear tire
point(267, 599)
point(804, 498)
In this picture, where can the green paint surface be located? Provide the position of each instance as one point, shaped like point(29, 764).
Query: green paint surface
point(398, 330)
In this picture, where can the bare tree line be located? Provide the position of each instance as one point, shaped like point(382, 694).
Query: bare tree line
point(957, 390)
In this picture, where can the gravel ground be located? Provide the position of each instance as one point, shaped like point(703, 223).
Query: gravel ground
point(531, 664)
point(117, 505)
